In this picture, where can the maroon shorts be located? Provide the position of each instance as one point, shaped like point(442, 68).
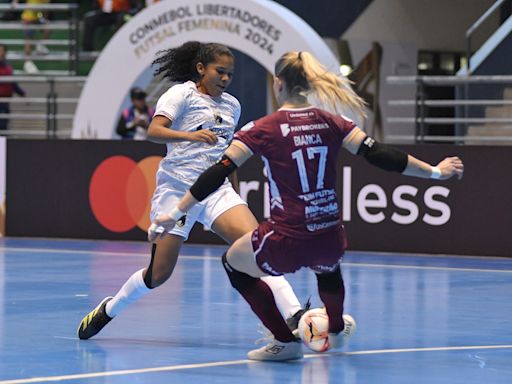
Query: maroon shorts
point(276, 253)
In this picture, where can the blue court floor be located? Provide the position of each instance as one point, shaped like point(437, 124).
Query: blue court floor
point(421, 319)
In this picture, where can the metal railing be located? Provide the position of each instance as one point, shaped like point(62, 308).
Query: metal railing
point(70, 24)
point(474, 27)
point(51, 102)
point(462, 119)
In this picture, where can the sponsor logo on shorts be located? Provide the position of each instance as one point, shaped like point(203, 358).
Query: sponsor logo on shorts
point(317, 227)
point(266, 266)
point(326, 268)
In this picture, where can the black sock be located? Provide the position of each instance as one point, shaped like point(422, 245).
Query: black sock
point(332, 294)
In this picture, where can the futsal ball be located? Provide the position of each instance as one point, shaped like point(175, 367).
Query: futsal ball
point(314, 329)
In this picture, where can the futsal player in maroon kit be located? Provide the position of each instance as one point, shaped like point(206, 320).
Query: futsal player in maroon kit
point(299, 145)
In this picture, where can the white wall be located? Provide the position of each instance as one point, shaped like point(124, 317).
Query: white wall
point(429, 24)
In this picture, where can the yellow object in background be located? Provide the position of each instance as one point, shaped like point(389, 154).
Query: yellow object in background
point(31, 16)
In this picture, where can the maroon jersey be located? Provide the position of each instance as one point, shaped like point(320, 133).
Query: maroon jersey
point(299, 148)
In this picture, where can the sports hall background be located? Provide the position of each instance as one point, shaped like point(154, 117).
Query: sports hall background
point(53, 179)
point(431, 302)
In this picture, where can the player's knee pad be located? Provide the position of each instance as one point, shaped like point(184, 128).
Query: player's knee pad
point(239, 280)
point(330, 281)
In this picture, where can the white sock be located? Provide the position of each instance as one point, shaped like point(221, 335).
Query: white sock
point(285, 298)
point(130, 292)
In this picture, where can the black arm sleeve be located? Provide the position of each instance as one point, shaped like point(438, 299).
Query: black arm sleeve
point(211, 179)
point(382, 156)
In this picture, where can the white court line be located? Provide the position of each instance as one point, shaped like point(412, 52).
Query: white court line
point(398, 266)
point(96, 253)
point(171, 368)
point(422, 255)
point(76, 251)
point(354, 252)
point(345, 264)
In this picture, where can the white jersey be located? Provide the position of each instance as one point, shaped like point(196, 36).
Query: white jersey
point(190, 110)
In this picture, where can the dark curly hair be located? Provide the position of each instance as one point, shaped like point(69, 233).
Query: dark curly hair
point(179, 64)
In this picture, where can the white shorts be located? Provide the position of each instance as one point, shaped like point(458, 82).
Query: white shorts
point(206, 212)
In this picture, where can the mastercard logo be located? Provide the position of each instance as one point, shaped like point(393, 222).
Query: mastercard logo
point(120, 192)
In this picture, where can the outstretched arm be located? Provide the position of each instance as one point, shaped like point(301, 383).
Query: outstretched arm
point(208, 182)
point(391, 159)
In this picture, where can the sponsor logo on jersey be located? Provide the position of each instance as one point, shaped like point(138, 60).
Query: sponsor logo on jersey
point(218, 118)
point(225, 133)
point(303, 115)
point(285, 129)
point(309, 127)
point(315, 210)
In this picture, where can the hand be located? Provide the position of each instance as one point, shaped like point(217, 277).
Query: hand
point(162, 225)
point(140, 123)
point(155, 231)
point(203, 135)
point(451, 166)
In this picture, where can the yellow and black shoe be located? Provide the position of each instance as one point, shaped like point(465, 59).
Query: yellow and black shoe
point(94, 321)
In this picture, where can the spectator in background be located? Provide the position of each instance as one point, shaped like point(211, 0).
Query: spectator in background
point(109, 12)
point(29, 18)
point(6, 89)
point(134, 121)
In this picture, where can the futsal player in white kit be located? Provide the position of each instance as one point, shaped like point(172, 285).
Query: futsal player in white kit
point(196, 119)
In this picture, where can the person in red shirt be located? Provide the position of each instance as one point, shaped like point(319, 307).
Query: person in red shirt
point(109, 12)
point(299, 145)
point(6, 89)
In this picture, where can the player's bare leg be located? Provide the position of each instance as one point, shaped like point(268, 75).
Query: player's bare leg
point(164, 255)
